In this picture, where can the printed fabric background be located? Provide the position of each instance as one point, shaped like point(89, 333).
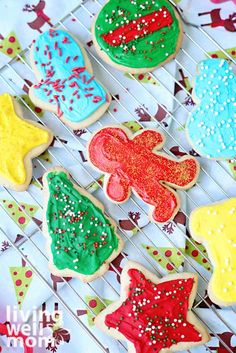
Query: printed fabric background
point(161, 99)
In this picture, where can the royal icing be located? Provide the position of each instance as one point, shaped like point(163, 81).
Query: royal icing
point(137, 33)
point(18, 138)
point(132, 163)
point(82, 237)
point(211, 125)
point(215, 226)
point(154, 315)
point(65, 82)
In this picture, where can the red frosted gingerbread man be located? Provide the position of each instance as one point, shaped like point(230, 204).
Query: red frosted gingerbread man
point(131, 162)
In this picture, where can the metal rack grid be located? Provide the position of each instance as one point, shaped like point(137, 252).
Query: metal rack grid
point(84, 6)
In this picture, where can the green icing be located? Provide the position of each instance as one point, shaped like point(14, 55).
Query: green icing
point(150, 50)
point(82, 236)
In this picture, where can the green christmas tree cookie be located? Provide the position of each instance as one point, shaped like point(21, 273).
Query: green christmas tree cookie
point(173, 254)
point(81, 239)
point(22, 277)
point(17, 214)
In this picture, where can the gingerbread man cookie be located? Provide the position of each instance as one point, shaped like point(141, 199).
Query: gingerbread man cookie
point(154, 314)
point(214, 226)
point(66, 85)
point(211, 125)
point(137, 36)
point(20, 141)
point(82, 241)
point(131, 162)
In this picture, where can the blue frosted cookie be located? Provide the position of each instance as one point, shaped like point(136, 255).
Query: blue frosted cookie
point(211, 127)
point(66, 84)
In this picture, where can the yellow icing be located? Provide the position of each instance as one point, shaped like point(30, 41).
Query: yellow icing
point(17, 138)
point(215, 225)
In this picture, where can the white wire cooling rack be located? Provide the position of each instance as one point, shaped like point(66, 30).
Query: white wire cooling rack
point(11, 74)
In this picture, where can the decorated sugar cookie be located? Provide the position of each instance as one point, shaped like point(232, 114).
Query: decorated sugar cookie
point(154, 314)
point(82, 241)
point(66, 85)
point(214, 226)
point(211, 126)
point(137, 36)
point(20, 141)
point(131, 162)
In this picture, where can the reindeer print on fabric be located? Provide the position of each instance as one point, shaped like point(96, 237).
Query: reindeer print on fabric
point(66, 85)
point(131, 162)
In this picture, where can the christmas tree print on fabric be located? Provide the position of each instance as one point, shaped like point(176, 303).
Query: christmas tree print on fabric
point(10, 45)
point(193, 249)
point(22, 277)
point(29, 102)
point(17, 214)
point(82, 239)
point(221, 55)
point(144, 78)
point(174, 256)
point(96, 305)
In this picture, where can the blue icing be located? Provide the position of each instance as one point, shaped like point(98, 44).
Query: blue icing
point(211, 126)
point(65, 82)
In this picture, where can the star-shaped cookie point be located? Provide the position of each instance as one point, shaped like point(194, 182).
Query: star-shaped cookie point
point(154, 314)
point(214, 226)
point(20, 141)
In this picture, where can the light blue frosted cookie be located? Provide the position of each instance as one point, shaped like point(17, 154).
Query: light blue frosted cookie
point(211, 127)
point(67, 85)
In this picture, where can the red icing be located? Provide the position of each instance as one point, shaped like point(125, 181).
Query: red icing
point(132, 163)
point(154, 316)
point(149, 23)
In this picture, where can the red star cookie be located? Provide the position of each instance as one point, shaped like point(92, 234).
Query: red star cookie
point(154, 314)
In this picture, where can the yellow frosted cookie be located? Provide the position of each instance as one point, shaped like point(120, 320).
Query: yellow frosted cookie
point(215, 227)
point(20, 141)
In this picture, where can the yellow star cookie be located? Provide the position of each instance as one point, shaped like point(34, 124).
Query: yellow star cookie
point(215, 227)
point(20, 141)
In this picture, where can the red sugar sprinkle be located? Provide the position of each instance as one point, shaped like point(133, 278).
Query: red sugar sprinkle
point(79, 69)
point(49, 55)
point(67, 59)
point(78, 96)
point(71, 101)
point(70, 108)
point(88, 95)
point(75, 92)
point(84, 78)
point(75, 57)
point(50, 100)
point(55, 45)
point(59, 52)
point(37, 48)
point(63, 97)
point(47, 47)
point(90, 79)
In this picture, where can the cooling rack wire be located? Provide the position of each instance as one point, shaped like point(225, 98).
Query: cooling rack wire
point(10, 74)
